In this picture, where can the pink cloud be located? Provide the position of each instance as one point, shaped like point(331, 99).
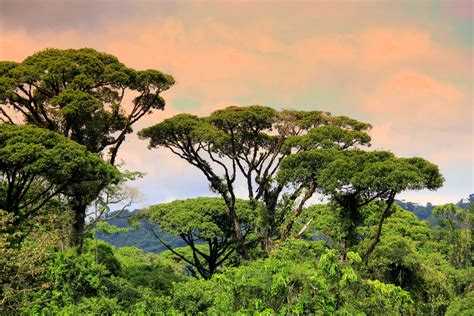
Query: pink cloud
point(411, 85)
point(462, 9)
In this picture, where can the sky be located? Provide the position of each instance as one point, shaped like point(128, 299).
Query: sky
point(406, 67)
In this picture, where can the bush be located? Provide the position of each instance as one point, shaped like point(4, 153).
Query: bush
point(463, 306)
point(324, 286)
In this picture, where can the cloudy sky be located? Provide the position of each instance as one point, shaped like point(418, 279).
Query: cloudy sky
point(404, 66)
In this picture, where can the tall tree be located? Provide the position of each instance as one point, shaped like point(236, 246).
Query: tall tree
point(355, 178)
point(37, 165)
point(250, 142)
point(80, 94)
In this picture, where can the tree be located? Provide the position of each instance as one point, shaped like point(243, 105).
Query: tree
point(355, 178)
point(408, 256)
point(250, 142)
point(201, 223)
point(307, 285)
point(37, 165)
point(454, 230)
point(80, 94)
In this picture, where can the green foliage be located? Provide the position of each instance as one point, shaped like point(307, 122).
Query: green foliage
point(321, 286)
point(409, 254)
point(138, 237)
point(69, 278)
point(148, 270)
point(93, 306)
point(329, 136)
point(203, 224)
point(24, 264)
point(406, 257)
point(100, 282)
point(250, 142)
point(38, 165)
point(379, 171)
point(405, 276)
point(330, 224)
point(359, 254)
point(389, 298)
point(353, 179)
point(104, 254)
point(454, 231)
point(41, 170)
point(337, 173)
point(463, 306)
point(299, 250)
point(79, 94)
point(207, 217)
point(107, 228)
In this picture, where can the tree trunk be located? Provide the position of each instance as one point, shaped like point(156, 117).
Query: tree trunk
point(304, 228)
point(305, 195)
point(229, 199)
point(78, 225)
point(239, 238)
point(384, 215)
point(286, 230)
point(267, 243)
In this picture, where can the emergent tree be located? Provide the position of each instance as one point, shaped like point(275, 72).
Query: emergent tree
point(80, 94)
point(251, 142)
point(353, 179)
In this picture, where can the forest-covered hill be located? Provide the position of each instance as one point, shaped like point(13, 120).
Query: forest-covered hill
point(145, 240)
point(424, 211)
point(140, 237)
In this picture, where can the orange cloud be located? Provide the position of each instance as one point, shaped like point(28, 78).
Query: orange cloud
point(413, 97)
point(386, 46)
point(406, 78)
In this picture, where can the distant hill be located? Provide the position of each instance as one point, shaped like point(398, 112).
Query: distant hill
point(140, 238)
point(464, 203)
point(424, 212)
point(144, 239)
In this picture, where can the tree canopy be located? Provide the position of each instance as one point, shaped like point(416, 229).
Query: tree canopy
point(203, 224)
point(251, 142)
point(37, 165)
point(454, 227)
point(80, 94)
point(355, 178)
